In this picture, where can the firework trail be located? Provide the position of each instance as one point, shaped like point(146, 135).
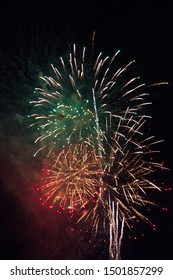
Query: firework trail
point(90, 125)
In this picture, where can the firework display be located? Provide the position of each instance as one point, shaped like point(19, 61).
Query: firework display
point(91, 129)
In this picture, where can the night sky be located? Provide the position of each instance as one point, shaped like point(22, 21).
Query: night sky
point(32, 36)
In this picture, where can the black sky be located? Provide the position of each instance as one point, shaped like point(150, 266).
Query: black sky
point(143, 31)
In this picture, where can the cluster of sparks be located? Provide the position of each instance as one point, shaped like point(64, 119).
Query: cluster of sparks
point(91, 130)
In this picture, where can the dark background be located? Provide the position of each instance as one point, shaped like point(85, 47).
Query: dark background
point(33, 35)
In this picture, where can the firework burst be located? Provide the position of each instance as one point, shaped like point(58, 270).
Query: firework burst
point(73, 178)
point(90, 122)
point(80, 179)
point(83, 101)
